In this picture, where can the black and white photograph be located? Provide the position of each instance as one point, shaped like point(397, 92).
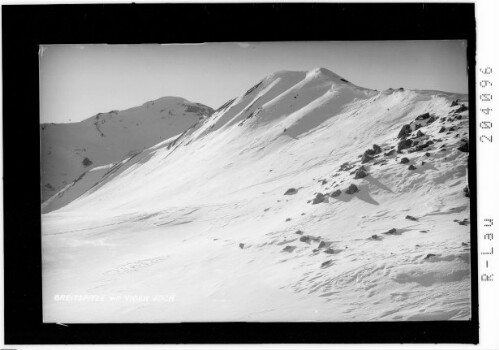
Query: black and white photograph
point(255, 182)
point(255, 174)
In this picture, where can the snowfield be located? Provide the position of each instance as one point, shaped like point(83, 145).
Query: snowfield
point(250, 214)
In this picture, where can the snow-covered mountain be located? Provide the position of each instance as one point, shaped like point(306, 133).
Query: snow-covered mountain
point(69, 150)
point(306, 198)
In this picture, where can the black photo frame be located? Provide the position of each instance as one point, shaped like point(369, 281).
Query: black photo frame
point(25, 27)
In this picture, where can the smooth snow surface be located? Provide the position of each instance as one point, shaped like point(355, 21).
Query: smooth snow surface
point(197, 227)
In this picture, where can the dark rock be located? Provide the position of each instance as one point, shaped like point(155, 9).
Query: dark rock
point(299, 232)
point(442, 129)
point(392, 231)
point(289, 248)
point(406, 130)
point(305, 239)
point(409, 217)
point(319, 198)
point(345, 167)
point(466, 191)
point(459, 117)
point(336, 193)
point(291, 191)
point(324, 244)
point(428, 154)
point(390, 153)
point(266, 209)
point(366, 158)
point(417, 126)
point(464, 147)
point(323, 182)
point(329, 251)
point(360, 173)
point(454, 103)
point(241, 245)
point(376, 238)
point(288, 219)
point(352, 189)
point(462, 108)
point(326, 264)
point(430, 256)
point(415, 142)
point(376, 149)
point(452, 128)
point(86, 162)
point(419, 134)
point(423, 163)
point(404, 160)
point(423, 116)
point(403, 144)
point(431, 120)
point(412, 167)
point(370, 152)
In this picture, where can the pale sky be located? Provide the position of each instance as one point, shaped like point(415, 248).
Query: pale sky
point(79, 81)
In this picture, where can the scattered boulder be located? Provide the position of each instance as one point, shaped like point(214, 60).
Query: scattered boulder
point(86, 162)
point(336, 193)
point(308, 239)
point(291, 191)
point(326, 264)
point(352, 189)
point(360, 173)
point(462, 108)
point(366, 158)
point(319, 198)
point(375, 238)
point(419, 134)
point(430, 256)
point(299, 232)
point(345, 166)
point(464, 148)
point(266, 209)
point(423, 116)
point(427, 154)
point(390, 153)
point(409, 217)
point(241, 245)
point(392, 231)
point(330, 251)
point(405, 131)
point(377, 149)
point(412, 167)
point(404, 160)
point(305, 239)
point(324, 244)
point(431, 120)
point(423, 163)
point(289, 248)
point(442, 129)
point(404, 144)
point(288, 219)
point(323, 182)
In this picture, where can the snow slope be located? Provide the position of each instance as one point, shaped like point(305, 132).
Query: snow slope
point(199, 228)
point(68, 150)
